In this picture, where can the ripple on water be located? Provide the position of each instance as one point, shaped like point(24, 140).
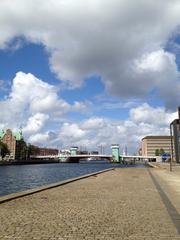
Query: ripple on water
point(16, 178)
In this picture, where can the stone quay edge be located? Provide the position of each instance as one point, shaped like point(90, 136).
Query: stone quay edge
point(12, 196)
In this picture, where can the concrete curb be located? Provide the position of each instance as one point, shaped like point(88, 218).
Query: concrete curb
point(152, 165)
point(12, 196)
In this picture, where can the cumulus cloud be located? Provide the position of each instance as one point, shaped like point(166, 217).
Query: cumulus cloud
point(160, 71)
point(72, 131)
point(39, 138)
point(35, 123)
point(37, 95)
point(93, 123)
point(47, 138)
point(143, 120)
point(124, 43)
point(149, 115)
point(42, 127)
point(33, 104)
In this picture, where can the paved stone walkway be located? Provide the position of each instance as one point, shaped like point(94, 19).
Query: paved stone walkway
point(120, 204)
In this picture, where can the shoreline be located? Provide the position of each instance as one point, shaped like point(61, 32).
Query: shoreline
point(27, 162)
point(16, 195)
point(122, 204)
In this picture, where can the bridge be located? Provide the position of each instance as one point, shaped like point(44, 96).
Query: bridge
point(44, 156)
point(138, 157)
point(90, 157)
point(74, 158)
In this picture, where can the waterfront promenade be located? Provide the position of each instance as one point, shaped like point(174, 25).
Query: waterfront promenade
point(133, 203)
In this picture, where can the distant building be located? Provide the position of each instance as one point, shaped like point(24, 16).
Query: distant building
point(94, 152)
point(151, 143)
point(64, 151)
point(48, 151)
point(82, 152)
point(39, 151)
point(15, 144)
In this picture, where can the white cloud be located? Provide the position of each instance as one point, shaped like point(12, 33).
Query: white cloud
point(160, 71)
point(46, 129)
point(143, 120)
point(118, 104)
point(83, 40)
point(37, 95)
point(93, 123)
point(39, 139)
point(124, 43)
point(35, 123)
point(149, 115)
point(33, 104)
point(83, 107)
point(71, 132)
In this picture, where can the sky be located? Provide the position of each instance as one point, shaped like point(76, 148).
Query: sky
point(89, 73)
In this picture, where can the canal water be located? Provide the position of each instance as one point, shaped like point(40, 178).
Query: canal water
point(16, 178)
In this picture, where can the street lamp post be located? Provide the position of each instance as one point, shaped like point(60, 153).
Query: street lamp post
point(172, 153)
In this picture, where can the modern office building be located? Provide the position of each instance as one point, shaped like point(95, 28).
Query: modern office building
point(150, 145)
point(175, 133)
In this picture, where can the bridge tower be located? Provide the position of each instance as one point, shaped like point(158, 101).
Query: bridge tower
point(115, 152)
point(73, 151)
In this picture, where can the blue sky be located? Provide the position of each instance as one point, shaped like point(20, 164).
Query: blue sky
point(87, 77)
point(33, 58)
point(28, 58)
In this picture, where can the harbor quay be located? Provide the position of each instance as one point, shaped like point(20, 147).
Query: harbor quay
point(123, 203)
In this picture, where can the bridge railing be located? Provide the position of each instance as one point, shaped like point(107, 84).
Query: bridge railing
point(42, 156)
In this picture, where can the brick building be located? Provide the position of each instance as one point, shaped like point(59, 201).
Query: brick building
point(15, 144)
point(39, 151)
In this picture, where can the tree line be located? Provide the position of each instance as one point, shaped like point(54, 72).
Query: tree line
point(3, 149)
point(159, 152)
